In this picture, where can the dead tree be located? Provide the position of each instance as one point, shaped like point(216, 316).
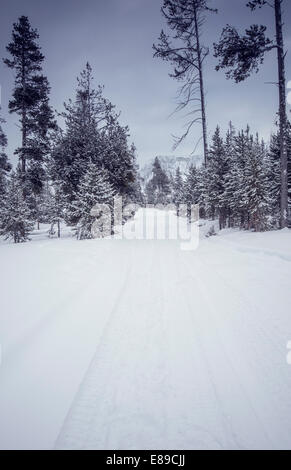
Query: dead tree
point(185, 18)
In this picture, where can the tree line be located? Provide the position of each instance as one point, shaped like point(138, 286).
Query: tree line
point(61, 173)
point(239, 55)
point(240, 186)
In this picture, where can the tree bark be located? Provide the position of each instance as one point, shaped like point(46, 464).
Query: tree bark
point(282, 113)
point(201, 81)
point(23, 117)
point(23, 156)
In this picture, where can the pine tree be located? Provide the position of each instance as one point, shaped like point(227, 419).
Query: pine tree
point(233, 191)
point(241, 183)
point(94, 188)
point(151, 193)
point(217, 171)
point(191, 191)
point(93, 135)
point(273, 174)
point(118, 158)
point(238, 199)
point(158, 188)
point(203, 191)
point(30, 101)
point(256, 196)
point(53, 208)
point(15, 220)
point(229, 161)
point(178, 193)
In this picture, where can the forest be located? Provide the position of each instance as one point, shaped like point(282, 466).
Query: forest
point(63, 171)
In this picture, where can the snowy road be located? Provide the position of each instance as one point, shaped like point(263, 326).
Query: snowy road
point(142, 345)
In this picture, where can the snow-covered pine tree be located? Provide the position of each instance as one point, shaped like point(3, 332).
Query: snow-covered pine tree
point(93, 135)
point(178, 192)
point(191, 190)
point(229, 177)
point(203, 191)
point(256, 198)
point(272, 162)
point(217, 170)
point(79, 144)
point(15, 220)
point(236, 185)
point(53, 208)
point(118, 158)
point(273, 170)
point(94, 188)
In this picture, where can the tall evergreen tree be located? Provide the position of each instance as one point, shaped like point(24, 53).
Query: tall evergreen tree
point(119, 159)
point(238, 188)
point(256, 189)
point(229, 177)
point(273, 172)
point(93, 135)
point(217, 171)
point(30, 100)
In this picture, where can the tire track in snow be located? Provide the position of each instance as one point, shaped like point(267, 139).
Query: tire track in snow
point(117, 401)
point(225, 435)
point(65, 431)
point(257, 356)
point(236, 361)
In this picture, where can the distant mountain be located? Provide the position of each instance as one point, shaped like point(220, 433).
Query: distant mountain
point(170, 165)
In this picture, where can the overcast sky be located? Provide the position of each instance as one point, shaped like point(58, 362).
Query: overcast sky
point(116, 37)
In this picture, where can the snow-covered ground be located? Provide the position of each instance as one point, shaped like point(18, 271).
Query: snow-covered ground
point(136, 344)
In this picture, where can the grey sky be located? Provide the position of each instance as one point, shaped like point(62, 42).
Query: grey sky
point(116, 37)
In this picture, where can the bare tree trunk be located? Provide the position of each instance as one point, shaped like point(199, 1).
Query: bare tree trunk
point(23, 116)
point(23, 156)
point(59, 229)
point(282, 114)
point(201, 82)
